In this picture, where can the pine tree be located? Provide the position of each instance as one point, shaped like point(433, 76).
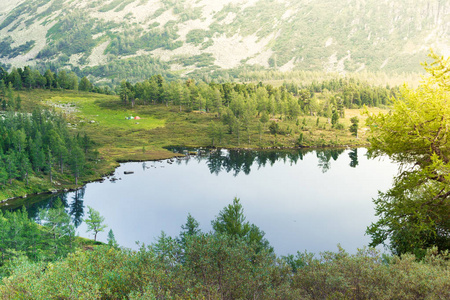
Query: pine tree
point(111, 239)
point(11, 166)
point(191, 228)
point(354, 127)
point(76, 161)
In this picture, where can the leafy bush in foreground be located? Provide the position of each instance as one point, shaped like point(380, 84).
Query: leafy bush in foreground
point(222, 267)
point(232, 262)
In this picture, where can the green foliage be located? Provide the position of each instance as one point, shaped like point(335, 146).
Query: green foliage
point(111, 239)
point(72, 34)
point(118, 5)
point(354, 127)
point(18, 236)
point(36, 144)
point(191, 228)
point(274, 128)
point(223, 266)
point(7, 51)
point(196, 36)
point(85, 85)
point(231, 221)
point(58, 233)
point(23, 237)
point(202, 60)
point(366, 275)
point(24, 8)
point(130, 41)
point(300, 139)
point(28, 78)
point(94, 223)
point(228, 268)
point(334, 118)
point(414, 212)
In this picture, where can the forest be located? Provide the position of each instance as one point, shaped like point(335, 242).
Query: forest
point(289, 100)
point(238, 105)
point(235, 260)
point(28, 78)
point(38, 144)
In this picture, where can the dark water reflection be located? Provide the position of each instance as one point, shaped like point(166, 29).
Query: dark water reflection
point(72, 201)
point(237, 161)
point(303, 200)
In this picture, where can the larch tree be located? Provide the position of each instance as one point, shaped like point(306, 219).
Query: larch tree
point(95, 222)
point(414, 213)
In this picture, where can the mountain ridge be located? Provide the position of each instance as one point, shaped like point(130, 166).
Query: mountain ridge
point(183, 37)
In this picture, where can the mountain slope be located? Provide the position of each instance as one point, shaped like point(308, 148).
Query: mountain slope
point(137, 38)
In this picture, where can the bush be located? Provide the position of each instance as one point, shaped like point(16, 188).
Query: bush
point(233, 262)
point(225, 267)
point(274, 128)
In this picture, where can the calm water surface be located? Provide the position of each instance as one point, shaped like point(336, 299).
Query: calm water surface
point(302, 200)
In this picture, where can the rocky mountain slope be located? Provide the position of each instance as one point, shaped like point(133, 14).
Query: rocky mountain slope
point(114, 39)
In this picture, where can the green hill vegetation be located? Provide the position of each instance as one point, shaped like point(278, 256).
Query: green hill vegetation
point(133, 40)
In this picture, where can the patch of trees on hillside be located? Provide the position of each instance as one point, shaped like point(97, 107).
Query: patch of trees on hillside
point(28, 78)
point(288, 100)
point(40, 144)
point(238, 105)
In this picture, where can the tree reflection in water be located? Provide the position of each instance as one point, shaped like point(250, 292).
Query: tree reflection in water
point(45, 201)
point(76, 210)
point(241, 161)
point(354, 158)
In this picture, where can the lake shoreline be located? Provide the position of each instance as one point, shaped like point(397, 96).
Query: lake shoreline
point(70, 188)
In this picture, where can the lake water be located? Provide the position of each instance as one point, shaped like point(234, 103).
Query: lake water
point(302, 200)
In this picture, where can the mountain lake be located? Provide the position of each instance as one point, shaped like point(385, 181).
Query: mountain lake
point(309, 200)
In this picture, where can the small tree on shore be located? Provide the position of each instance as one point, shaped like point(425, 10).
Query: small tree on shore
point(94, 222)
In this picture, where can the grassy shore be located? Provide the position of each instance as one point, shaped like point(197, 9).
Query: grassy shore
point(118, 139)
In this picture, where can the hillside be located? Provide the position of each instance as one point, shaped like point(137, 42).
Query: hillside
point(133, 39)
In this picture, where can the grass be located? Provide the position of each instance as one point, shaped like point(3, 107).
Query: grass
point(104, 110)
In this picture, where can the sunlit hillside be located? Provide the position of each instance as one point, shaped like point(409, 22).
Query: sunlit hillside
point(133, 39)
